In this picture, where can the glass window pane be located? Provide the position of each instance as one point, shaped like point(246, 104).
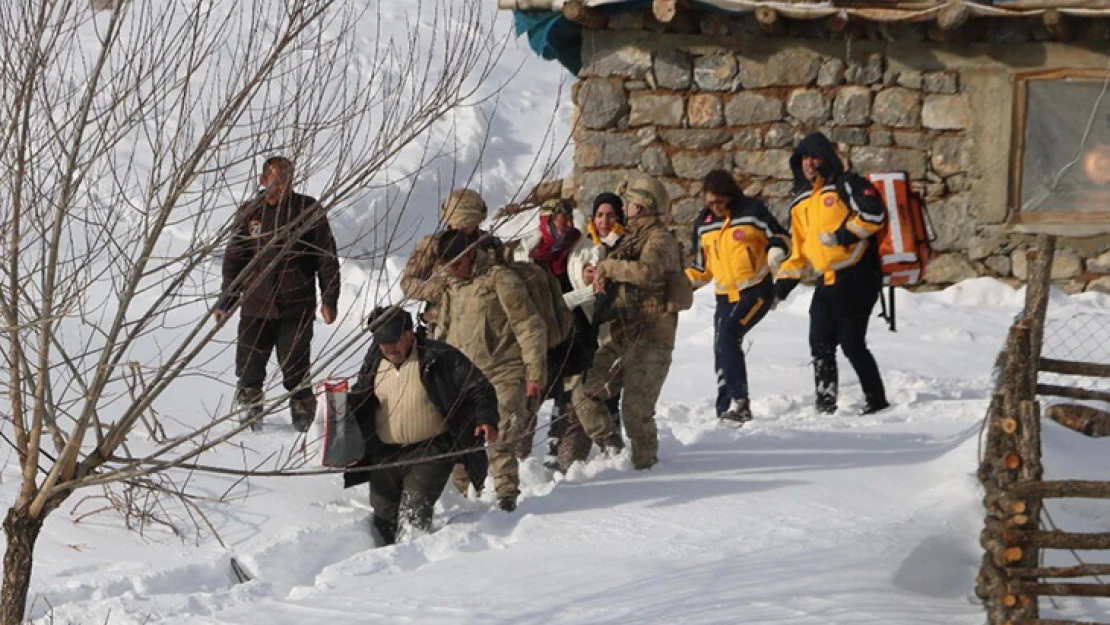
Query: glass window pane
point(1063, 170)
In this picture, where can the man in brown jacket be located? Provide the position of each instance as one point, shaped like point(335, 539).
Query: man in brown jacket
point(486, 313)
point(638, 357)
point(280, 247)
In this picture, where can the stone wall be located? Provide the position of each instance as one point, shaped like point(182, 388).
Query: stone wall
point(677, 106)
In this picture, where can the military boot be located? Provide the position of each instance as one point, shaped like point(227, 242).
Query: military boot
point(644, 453)
point(250, 403)
point(303, 412)
point(611, 445)
point(574, 444)
point(825, 384)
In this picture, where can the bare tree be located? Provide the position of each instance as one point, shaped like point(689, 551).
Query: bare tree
point(128, 136)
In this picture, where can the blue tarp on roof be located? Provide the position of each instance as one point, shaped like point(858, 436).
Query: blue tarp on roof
point(554, 37)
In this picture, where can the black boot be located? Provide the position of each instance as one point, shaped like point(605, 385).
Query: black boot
point(387, 530)
point(250, 402)
point(871, 406)
point(303, 412)
point(825, 384)
point(507, 503)
point(739, 412)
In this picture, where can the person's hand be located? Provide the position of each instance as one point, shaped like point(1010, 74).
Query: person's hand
point(588, 273)
point(775, 256)
point(828, 239)
point(533, 389)
point(598, 283)
point(219, 314)
point(328, 313)
point(487, 432)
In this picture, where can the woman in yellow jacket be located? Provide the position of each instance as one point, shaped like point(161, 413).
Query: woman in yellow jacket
point(833, 217)
point(737, 244)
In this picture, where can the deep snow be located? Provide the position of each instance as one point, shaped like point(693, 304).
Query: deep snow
point(796, 518)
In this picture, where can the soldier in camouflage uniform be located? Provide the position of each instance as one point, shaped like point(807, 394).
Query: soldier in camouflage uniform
point(462, 211)
point(486, 313)
point(635, 277)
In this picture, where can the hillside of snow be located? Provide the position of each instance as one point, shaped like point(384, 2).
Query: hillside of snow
point(797, 518)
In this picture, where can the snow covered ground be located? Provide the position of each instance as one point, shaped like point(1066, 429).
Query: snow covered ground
point(797, 518)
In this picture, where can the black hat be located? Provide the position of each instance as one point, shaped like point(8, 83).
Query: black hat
point(452, 243)
point(613, 200)
point(388, 323)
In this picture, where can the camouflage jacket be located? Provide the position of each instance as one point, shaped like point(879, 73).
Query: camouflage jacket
point(419, 280)
point(638, 269)
point(490, 318)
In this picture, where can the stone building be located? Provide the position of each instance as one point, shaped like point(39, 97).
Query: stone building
point(999, 112)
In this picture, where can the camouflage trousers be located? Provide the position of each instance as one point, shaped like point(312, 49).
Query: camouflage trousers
point(513, 410)
point(637, 361)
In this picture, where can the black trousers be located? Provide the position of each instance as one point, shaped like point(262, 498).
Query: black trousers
point(405, 496)
point(291, 335)
point(838, 315)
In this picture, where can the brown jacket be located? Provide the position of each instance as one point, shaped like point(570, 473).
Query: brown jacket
point(639, 266)
point(491, 320)
point(272, 269)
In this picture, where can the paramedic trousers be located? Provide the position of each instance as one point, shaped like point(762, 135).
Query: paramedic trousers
point(731, 323)
point(838, 315)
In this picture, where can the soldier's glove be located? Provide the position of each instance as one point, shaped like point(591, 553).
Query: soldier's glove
point(775, 256)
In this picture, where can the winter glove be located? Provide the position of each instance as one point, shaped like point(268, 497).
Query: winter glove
point(783, 288)
point(845, 237)
point(775, 256)
point(828, 239)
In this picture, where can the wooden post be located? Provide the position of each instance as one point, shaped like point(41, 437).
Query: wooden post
point(1036, 292)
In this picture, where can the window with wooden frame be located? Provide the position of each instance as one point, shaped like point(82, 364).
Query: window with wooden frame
point(1061, 165)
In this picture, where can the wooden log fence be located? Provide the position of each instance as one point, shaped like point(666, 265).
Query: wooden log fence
point(1011, 577)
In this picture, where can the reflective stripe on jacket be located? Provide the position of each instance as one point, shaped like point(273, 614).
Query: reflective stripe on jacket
point(732, 250)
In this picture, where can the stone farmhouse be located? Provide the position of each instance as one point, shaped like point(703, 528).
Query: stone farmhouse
point(999, 111)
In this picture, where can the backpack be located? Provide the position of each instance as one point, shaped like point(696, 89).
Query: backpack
point(905, 240)
point(906, 237)
point(547, 298)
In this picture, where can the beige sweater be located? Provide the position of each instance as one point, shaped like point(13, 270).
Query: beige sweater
point(406, 415)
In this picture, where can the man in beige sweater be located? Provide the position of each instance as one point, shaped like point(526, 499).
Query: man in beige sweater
point(416, 400)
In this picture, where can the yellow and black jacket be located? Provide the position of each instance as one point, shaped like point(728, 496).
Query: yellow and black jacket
point(732, 250)
point(842, 203)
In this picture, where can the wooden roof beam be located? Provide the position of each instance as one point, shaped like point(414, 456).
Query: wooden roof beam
point(577, 12)
point(770, 20)
point(1057, 24)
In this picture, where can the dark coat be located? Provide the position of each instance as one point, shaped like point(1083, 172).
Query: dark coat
point(280, 281)
point(458, 389)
